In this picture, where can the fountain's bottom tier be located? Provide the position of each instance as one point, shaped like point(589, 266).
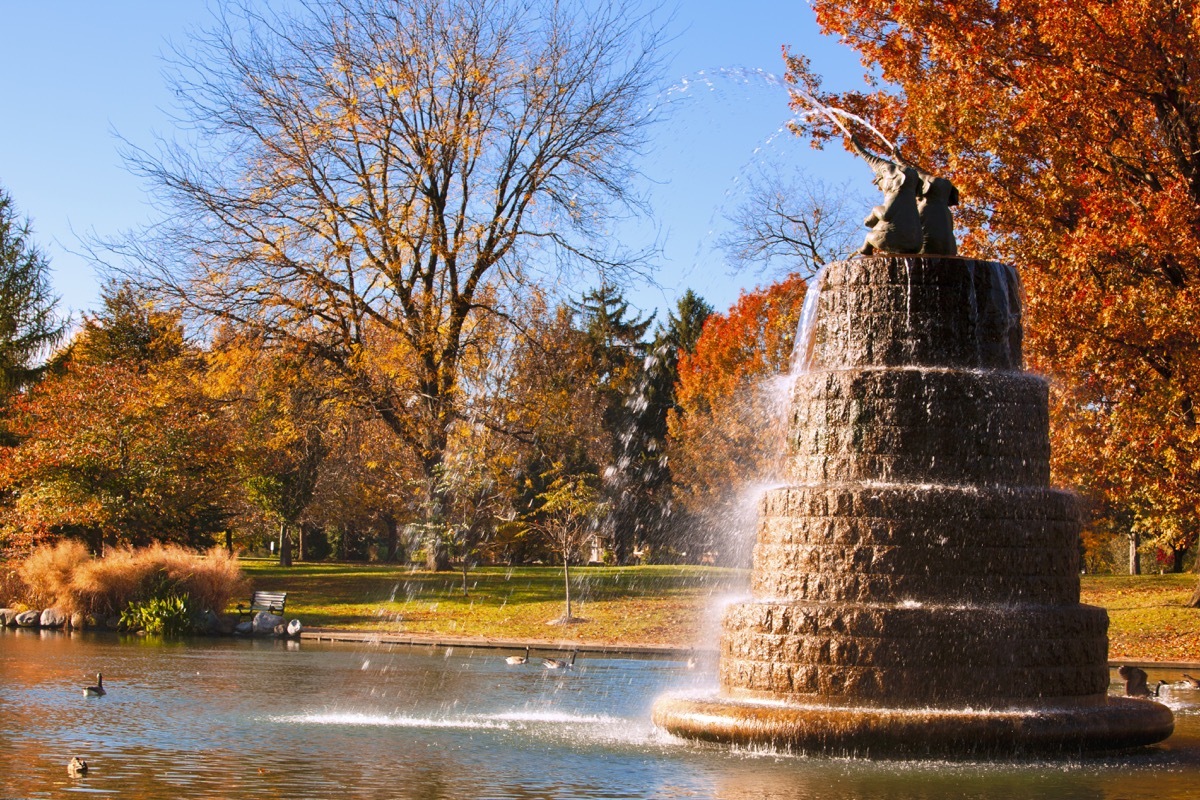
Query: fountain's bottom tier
point(1108, 723)
point(912, 656)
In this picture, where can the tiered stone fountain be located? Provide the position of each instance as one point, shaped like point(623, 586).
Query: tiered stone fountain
point(916, 584)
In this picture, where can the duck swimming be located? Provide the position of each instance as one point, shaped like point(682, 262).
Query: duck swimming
point(558, 663)
point(518, 660)
point(97, 690)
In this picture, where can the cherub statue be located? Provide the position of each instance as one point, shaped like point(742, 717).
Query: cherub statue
point(896, 223)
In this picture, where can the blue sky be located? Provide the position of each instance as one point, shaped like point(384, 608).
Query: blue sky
point(78, 73)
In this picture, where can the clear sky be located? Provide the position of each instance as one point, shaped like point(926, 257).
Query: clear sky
point(78, 72)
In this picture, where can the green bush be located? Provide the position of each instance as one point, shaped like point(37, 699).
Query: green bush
point(167, 615)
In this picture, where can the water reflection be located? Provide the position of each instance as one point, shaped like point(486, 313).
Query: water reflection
point(225, 718)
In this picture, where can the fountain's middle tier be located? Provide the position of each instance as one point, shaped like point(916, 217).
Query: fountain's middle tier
point(888, 543)
point(919, 425)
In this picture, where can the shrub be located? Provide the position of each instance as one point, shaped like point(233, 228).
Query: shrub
point(14, 592)
point(168, 615)
point(66, 577)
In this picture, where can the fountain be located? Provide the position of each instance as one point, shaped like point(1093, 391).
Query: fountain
point(915, 587)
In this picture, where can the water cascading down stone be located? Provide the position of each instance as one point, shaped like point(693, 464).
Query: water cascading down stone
point(916, 583)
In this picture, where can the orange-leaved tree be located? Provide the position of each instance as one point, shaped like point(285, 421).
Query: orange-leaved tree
point(1073, 133)
point(725, 431)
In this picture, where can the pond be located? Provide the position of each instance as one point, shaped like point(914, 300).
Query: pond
point(236, 718)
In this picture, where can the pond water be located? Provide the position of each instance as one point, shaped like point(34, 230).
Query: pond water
point(238, 718)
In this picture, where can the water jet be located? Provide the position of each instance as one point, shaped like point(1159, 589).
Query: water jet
point(915, 587)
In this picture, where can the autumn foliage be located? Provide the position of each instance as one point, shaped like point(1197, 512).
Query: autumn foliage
point(1073, 133)
point(726, 431)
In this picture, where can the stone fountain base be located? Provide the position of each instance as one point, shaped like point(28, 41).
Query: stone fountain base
point(1113, 723)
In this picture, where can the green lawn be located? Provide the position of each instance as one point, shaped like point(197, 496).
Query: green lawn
point(674, 606)
point(1147, 615)
point(620, 605)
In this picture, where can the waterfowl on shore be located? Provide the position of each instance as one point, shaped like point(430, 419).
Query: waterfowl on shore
point(77, 767)
point(518, 660)
point(97, 690)
point(558, 663)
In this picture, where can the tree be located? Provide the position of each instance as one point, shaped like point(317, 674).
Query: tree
point(116, 456)
point(1073, 133)
point(615, 340)
point(685, 324)
point(277, 406)
point(568, 515)
point(795, 225)
point(725, 430)
point(639, 483)
point(29, 325)
point(379, 172)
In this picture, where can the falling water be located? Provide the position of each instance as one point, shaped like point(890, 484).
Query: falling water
point(806, 328)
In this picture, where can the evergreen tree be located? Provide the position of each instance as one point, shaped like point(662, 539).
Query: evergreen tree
point(638, 483)
point(29, 325)
point(617, 346)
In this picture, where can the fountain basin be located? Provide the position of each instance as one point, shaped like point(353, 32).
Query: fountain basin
point(1113, 723)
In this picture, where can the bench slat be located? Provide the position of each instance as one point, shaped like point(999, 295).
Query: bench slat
point(275, 602)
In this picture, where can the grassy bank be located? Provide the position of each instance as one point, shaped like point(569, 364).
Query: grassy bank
point(630, 605)
point(643, 605)
point(1147, 616)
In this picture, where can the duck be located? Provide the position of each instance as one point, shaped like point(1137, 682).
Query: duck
point(97, 690)
point(558, 663)
point(77, 767)
point(518, 660)
point(1190, 682)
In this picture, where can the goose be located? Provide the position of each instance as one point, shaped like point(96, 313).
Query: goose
point(1190, 682)
point(518, 660)
point(97, 690)
point(558, 663)
point(77, 767)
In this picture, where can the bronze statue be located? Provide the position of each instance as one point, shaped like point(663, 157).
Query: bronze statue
point(934, 197)
point(896, 223)
point(937, 226)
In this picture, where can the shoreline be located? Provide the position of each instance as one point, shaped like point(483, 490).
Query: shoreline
point(668, 652)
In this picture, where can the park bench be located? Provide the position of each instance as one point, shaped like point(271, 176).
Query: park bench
point(271, 602)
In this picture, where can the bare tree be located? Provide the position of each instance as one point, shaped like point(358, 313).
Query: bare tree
point(799, 224)
point(368, 179)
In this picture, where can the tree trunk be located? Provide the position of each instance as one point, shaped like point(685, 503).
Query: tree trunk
point(1194, 602)
point(567, 585)
point(285, 546)
point(1177, 554)
point(1135, 564)
point(437, 558)
point(392, 539)
point(300, 541)
point(229, 541)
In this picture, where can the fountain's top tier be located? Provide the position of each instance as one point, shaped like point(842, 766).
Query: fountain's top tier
point(926, 311)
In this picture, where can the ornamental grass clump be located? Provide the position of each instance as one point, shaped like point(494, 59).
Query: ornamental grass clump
point(66, 577)
point(47, 573)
